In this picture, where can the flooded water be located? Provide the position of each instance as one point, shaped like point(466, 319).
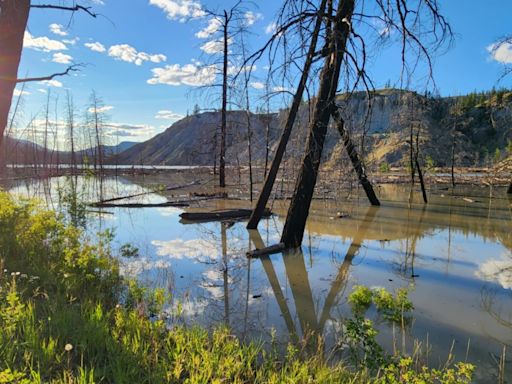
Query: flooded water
point(455, 254)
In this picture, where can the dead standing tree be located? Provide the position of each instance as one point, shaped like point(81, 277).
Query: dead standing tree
point(229, 24)
point(406, 19)
point(13, 22)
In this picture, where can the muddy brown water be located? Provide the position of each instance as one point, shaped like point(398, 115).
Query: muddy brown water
point(455, 255)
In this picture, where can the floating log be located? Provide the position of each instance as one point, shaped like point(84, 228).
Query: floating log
point(168, 188)
point(270, 250)
point(141, 205)
point(227, 214)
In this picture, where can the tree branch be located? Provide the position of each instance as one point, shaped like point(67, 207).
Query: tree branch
point(75, 8)
point(72, 68)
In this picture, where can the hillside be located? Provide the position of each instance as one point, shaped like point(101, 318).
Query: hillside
point(481, 124)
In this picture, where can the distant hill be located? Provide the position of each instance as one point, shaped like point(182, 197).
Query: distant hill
point(20, 151)
point(481, 123)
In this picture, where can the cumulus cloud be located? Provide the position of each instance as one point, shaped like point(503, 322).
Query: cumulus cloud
point(257, 84)
point(102, 109)
point(213, 26)
point(52, 83)
point(42, 43)
point(98, 2)
point(179, 9)
point(501, 52)
point(57, 29)
point(96, 47)
point(125, 52)
point(168, 115)
point(189, 74)
point(214, 46)
point(251, 17)
point(62, 58)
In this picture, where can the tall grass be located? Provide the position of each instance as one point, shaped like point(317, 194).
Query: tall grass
point(66, 316)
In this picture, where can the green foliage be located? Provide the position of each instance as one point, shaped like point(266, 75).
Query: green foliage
point(360, 298)
point(391, 307)
point(403, 372)
point(430, 164)
point(384, 167)
point(497, 155)
point(66, 317)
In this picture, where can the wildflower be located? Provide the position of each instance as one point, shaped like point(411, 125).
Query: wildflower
point(18, 273)
point(13, 274)
point(68, 347)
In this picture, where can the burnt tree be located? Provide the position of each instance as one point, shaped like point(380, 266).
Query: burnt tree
point(298, 211)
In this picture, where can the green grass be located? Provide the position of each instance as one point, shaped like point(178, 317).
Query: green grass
point(62, 321)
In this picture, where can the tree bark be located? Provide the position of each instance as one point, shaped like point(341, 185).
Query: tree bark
point(223, 127)
point(13, 21)
point(354, 158)
point(295, 224)
point(297, 99)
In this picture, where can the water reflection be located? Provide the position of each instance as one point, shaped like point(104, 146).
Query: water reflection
point(456, 253)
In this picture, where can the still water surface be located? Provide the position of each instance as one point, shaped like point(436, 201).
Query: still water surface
point(455, 254)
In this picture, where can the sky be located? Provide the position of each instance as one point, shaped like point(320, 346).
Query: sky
point(146, 59)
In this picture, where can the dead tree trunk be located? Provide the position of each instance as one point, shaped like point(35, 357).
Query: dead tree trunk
point(13, 21)
point(354, 158)
point(297, 99)
point(509, 188)
point(295, 224)
point(223, 127)
point(420, 173)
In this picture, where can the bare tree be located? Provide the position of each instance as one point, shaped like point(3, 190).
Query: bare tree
point(421, 29)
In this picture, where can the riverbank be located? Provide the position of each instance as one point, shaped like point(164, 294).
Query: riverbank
point(67, 316)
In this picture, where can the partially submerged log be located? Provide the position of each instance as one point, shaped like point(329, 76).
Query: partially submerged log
point(167, 188)
point(270, 250)
point(221, 215)
point(141, 205)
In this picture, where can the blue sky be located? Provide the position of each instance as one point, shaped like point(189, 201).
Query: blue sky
point(143, 59)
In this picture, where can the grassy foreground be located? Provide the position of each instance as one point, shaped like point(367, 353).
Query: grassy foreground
point(66, 316)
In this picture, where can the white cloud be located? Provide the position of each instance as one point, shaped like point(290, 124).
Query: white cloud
point(96, 47)
point(179, 9)
point(501, 52)
point(42, 43)
point(72, 41)
point(125, 52)
point(213, 26)
point(57, 29)
point(280, 89)
point(188, 74)
point(102, 109)
point(62, 58)
point(42, 90)
point(499, 271)
point(168, 115)
point(179, 249)
point(52, 83)
point(98, 2)
point(257, 84)
point(132, 131)
point(271, 28)
point(214, 46)
point(18, 92)
point(251, 17)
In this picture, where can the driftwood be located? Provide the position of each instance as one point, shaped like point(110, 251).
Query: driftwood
point(228, 214)
point(102, 203)
point(270, 250)
point(140, 205)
